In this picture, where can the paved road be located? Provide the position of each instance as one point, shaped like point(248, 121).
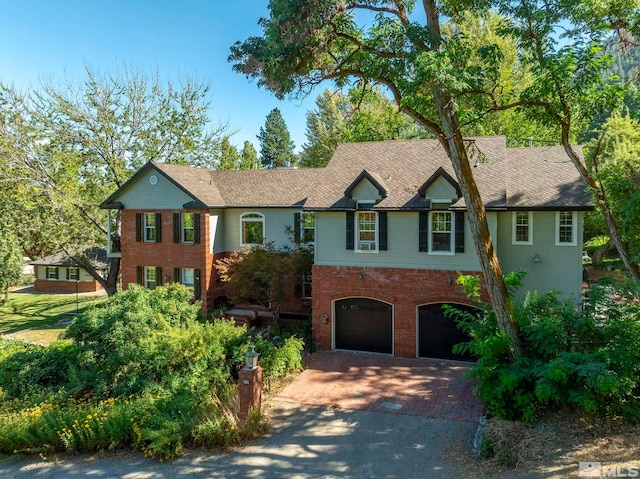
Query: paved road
point(305, 442)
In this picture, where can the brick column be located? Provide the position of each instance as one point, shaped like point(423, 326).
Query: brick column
point(250, 390)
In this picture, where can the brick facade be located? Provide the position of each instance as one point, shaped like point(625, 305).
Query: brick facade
point(169, 255)
point(405, 289)
point(61, 286)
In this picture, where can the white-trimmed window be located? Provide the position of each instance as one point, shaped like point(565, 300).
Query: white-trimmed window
point(522, 227)
point(307, 227)
point(441, 239)
point(565, 228)
point(252, 229)
point(150, 280)
point(52, 272)
point(366, 231)
point(188, 277)
point(188, 227)
point(150, 227)
point(73, 274)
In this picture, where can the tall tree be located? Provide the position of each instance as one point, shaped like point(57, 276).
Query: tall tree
point(571, 85)
point(276, 147)
point(427, 72)
point(615, 164)
point(229, 157)
point(364, 114)
point(10, 262)
point(326, 128)
point(74, 146)
point(249, 157)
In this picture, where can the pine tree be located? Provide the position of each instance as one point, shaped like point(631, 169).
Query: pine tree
point(249, 157)
point(229, 157)
point(276, 147)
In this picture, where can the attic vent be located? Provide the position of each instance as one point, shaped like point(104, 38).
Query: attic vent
point(153, 180)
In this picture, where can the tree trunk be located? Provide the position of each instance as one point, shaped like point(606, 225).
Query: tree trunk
point(598, 255)
point(453, 143)
point(603, 204)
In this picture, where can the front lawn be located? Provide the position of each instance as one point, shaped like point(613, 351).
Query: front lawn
point(38, 310)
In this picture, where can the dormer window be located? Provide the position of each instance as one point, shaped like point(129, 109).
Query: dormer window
point(441, 227)
point(366, 231)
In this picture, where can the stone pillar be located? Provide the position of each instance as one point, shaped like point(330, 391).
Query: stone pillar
point(250, 390)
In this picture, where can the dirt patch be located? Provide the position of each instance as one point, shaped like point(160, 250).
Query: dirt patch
point(553, 447)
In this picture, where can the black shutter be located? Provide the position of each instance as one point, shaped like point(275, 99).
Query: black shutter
point(459, 231)
point(423, 231)
point(176, 275)
point(158, 227)
point(67, 273)
point(158, 276)
point(176, 227)
point(139, 227)
point(196, 284)
point(296, 228)
point(297, 287)
point(196, 228)
point(350, 233)
point(139, 274)
point(382, 233)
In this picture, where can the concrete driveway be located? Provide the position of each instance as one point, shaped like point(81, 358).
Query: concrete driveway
point(315, 441)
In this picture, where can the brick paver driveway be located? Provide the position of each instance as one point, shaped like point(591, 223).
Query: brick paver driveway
point(371, 382)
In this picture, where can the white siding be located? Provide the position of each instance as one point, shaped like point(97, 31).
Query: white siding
point(216, 231)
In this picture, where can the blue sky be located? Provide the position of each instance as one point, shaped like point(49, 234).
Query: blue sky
point(46, 40)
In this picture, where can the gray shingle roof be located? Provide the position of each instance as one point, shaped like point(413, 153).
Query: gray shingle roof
point(96, 254)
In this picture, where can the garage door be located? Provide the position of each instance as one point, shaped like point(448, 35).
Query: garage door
point(363, 324)
point(438, 333)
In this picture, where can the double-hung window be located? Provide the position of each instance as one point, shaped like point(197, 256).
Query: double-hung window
point(73, 274)
point(522, 227)
point(565, 228)
point(308, 226)
point(150, 227)
point(52, 272)
point(150, 279)
point(441, 228)
point(188, 227)
point(252, 229)
point(188, 277)
point(366, 231)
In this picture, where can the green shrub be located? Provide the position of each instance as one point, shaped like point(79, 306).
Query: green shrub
point(585, 359)
point(142, 371)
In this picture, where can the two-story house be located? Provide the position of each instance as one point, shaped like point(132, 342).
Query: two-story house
point(389, 228)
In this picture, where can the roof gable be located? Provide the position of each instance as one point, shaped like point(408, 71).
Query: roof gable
point(440, 174)
point(356, 187)
point(169, 173)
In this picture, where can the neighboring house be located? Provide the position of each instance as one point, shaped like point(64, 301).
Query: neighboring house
point(388, 224)
point(59, 273)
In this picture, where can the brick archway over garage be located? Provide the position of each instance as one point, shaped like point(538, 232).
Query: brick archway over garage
point(404, 288)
